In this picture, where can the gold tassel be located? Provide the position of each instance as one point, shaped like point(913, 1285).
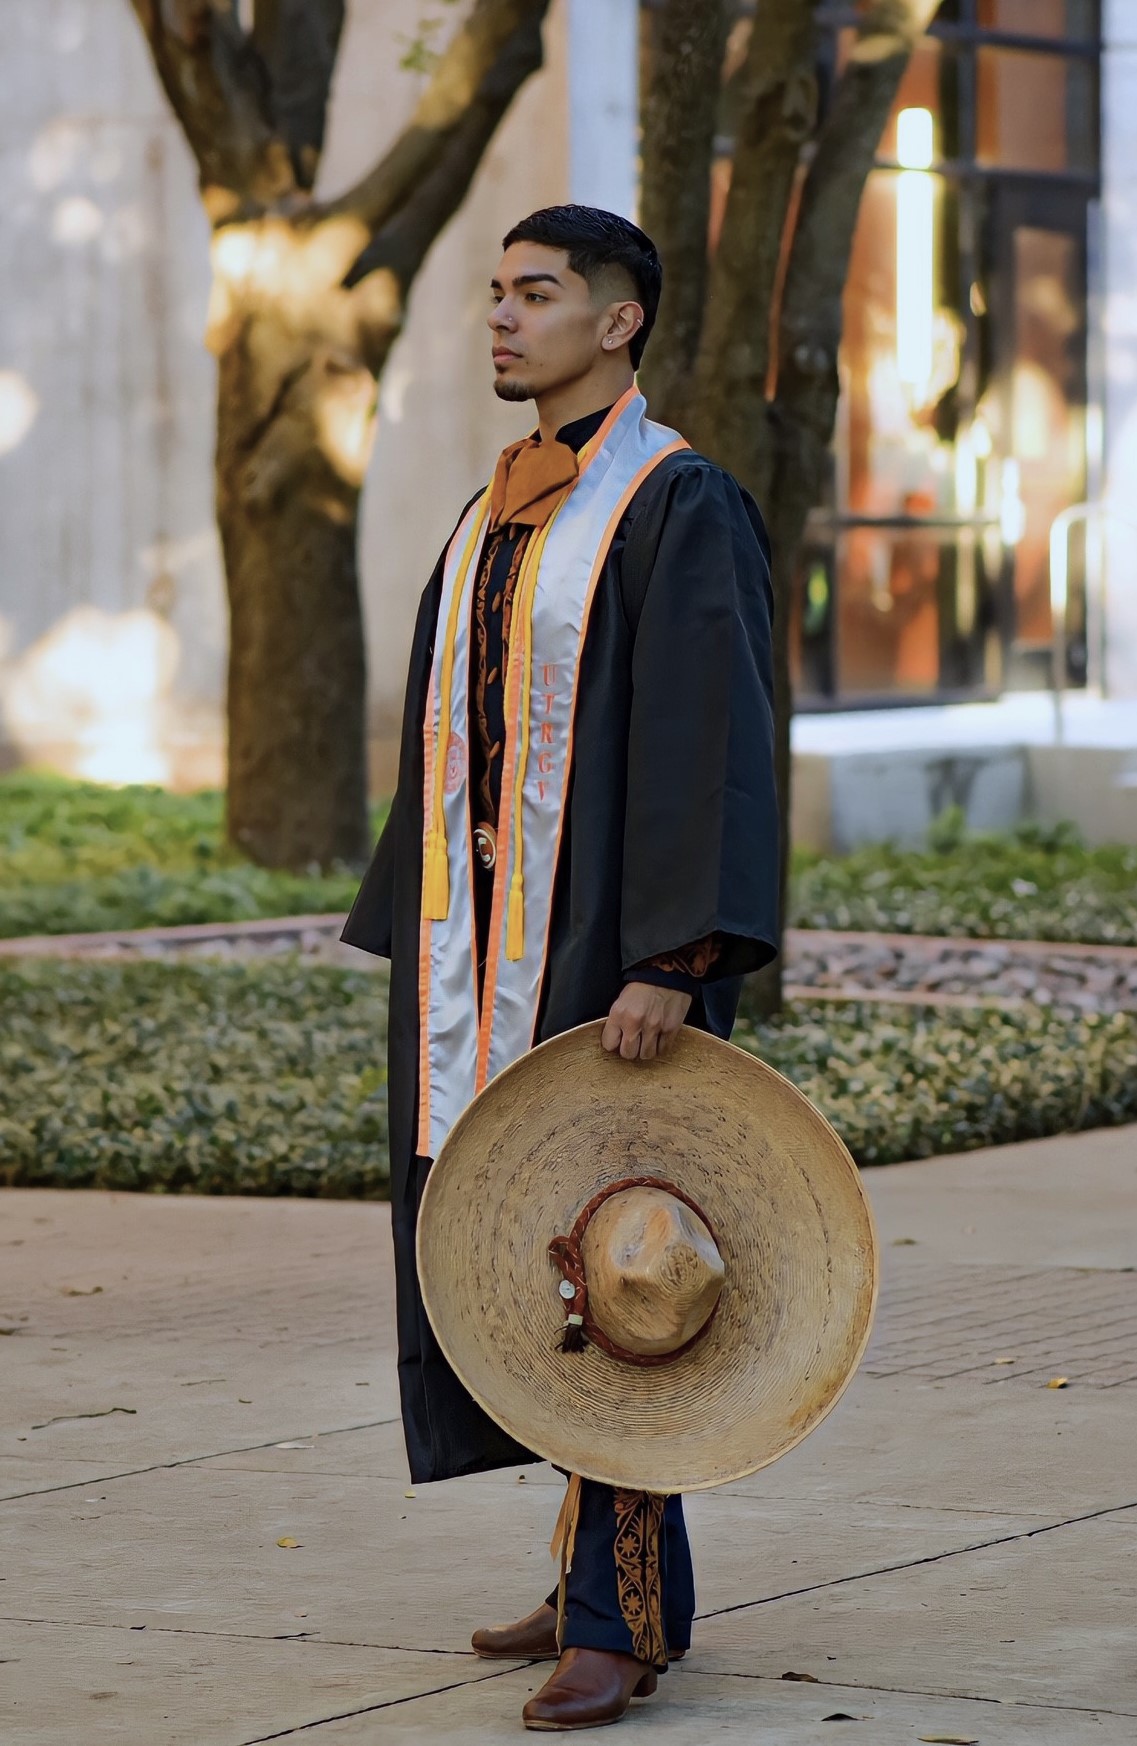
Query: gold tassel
point(436, 878)
point(563, 1544)
point(515, 920)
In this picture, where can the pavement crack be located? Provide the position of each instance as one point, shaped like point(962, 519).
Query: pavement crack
point(916, 1563)
point(310, 1636)
point(69, 1418)
point(373, 1709)
point(917, 1691)
point(183, 1461)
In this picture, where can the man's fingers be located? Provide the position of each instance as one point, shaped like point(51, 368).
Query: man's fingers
point(630, 1046)
point(612, 1035)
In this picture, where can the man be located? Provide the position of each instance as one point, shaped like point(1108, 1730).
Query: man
point(585, 827)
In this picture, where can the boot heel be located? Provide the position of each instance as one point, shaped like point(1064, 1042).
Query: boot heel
point(647, 1685)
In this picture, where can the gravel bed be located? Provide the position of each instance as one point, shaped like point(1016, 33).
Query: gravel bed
point(1087, 979)
point(845, 965)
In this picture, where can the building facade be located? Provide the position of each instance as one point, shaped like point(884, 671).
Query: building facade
point(977, 538)
point(972, 413)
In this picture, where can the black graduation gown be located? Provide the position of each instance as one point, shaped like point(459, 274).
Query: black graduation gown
point(671, 834)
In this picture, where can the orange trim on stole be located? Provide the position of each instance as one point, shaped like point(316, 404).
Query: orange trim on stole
point(505, 807)
point(597, 570)
point(510, 756)
point(423, 1133)
point(422, 1136)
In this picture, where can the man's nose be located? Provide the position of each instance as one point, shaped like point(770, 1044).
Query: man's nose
point(501, 317)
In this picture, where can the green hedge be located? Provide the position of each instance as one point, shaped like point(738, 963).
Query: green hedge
point(268, 1077)
point(203, 1078)
point(1036, 882)
point(904, 1082)
point(76, 857)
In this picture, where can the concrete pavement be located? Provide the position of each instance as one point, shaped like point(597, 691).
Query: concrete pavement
point(185, 1383)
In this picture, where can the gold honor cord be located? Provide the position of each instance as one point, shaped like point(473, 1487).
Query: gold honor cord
point(527, 595)
point(436, 870)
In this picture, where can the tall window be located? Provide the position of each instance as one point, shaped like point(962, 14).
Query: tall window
point(963, 428)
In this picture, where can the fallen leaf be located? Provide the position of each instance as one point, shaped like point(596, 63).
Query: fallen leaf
point(241, 1401)
point(843, 1716)
point(903, 1243)
point(1003, 1360)
point(292, 1445)
point(409, 1494)
point(75, 1291)
point(521, 1480)
point(288, 1543)
point(1058, 1382)
point(951, 1739)
point(803, 1678)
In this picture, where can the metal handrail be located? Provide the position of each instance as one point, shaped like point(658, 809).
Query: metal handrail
point(1093, 516)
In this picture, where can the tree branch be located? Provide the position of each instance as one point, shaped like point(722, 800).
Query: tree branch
point(679, 115)
point(217, 88)
point(297, 41)
point(402, 244)
point(455, 87)
point(777, 105)
point(819, 260)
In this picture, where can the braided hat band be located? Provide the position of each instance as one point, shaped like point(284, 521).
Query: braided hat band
point(579, 1327)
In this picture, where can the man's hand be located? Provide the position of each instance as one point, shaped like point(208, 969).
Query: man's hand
point(644, 1020)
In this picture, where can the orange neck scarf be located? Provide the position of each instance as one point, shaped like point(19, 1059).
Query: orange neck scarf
point(530, 482)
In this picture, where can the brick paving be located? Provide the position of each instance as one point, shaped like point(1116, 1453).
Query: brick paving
point(189, 1382)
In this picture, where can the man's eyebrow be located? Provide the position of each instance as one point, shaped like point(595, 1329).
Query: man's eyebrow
point(529, 279)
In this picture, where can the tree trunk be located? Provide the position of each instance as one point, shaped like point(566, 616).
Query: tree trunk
point(295, 420)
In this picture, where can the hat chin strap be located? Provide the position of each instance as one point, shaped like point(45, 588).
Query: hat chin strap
point(579, 1328)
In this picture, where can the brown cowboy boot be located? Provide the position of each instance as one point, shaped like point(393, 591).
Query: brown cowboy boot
point(533, 1638)
point(589, 1688)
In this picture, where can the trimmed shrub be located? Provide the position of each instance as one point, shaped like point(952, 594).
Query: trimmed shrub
point(76, 857)
point(197, 1078)
point(1035, 883)
point(268, 1077)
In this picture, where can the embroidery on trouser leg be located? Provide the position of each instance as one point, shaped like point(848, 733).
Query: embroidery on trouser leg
point(639, 1519)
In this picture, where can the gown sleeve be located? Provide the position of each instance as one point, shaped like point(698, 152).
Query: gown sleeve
point(370, 923)
point(701, 820)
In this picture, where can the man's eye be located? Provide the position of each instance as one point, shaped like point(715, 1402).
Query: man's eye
point(535, 297)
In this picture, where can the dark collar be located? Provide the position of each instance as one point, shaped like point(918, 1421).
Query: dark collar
point(582, 430)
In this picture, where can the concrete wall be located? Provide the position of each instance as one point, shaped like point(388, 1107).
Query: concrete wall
point(105, 396)
point(112, 612)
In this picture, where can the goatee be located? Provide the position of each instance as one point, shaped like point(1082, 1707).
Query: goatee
point(507, 390)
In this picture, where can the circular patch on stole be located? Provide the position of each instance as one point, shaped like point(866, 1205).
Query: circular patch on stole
point(455, 764)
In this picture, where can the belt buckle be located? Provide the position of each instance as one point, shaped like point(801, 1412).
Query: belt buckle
point(485, 845)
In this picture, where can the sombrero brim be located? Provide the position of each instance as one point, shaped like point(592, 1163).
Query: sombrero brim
point(787, 1205)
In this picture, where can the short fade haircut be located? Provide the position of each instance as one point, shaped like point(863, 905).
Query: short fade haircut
point(595, 240)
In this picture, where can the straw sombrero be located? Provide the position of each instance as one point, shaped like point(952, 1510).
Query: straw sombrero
point(690, 1228)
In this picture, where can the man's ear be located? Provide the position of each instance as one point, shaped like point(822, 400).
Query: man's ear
point(624, 322)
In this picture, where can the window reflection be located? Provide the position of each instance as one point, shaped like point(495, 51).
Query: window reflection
point(1035, 111)
point(1060, 18)
point(961, 427)
point(1037, 410)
